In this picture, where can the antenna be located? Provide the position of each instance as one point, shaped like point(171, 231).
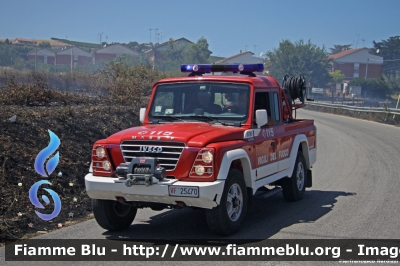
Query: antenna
point(158, 37)
point(255, 45)
point(357, 39)
point(150, 33)
point(100, 34)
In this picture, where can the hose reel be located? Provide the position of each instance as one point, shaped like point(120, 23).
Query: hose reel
point(295, 88)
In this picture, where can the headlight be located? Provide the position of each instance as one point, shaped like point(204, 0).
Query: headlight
point(207, 157)
point(106, 165)
point(199, 169)
point(100, 152)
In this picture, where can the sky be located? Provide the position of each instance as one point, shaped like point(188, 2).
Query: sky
point(229, 26)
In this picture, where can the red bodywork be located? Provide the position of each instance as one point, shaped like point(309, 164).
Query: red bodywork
point(219, 138)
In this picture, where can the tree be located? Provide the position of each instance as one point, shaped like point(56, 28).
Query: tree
point(175, 52)
point(7, 41)
point(198, 52)
point(299, 58)
point(390, 51)
point(172, 58)
point(337, 76)
point(371, 87)
point(10, 53)
point(133, 46)
point(337, 48)
point(44, 45)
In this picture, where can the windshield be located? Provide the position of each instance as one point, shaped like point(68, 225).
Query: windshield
point(225, 103)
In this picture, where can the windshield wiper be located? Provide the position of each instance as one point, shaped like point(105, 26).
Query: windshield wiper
point(168, 116)
point(210, 118)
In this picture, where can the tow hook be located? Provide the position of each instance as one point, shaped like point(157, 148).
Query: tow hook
point(133, 179)
point(129, 183)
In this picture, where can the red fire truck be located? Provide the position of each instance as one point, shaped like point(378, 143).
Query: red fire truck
point(206, 141)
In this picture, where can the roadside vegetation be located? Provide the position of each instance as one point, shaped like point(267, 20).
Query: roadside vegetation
point(79, 108)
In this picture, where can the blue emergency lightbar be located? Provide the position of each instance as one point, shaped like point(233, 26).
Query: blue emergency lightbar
point(208, 68)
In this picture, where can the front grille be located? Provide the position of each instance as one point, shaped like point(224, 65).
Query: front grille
point(168, 158)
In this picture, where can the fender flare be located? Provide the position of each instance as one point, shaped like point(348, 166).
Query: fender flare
point(300, 139)
point(228, 158)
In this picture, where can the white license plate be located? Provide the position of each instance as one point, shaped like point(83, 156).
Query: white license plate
point(182, 191)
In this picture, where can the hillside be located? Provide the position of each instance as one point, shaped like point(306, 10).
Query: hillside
point(31, 104)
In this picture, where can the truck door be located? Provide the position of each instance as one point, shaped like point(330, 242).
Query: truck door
point(283, 140)
point(265, 139)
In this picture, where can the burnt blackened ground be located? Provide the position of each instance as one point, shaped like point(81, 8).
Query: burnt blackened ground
point(78, 127)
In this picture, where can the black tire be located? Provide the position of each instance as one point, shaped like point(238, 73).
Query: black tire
point(218, 219)
point(293, 188)
point(112, 215)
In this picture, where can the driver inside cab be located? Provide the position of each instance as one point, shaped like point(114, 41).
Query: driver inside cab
point(241, 107)
point(205, 102)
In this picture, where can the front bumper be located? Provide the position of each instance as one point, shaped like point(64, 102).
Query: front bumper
point(110, 188)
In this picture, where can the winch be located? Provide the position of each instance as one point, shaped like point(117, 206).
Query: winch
point(141, 171)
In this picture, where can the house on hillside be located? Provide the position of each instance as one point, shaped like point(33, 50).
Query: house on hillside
point(214, 58)
point(73, 55)
point(113, 51)
point(43, 55)
point(356, 63)
point(241, 58)
point(156, 53)
point(24, 41)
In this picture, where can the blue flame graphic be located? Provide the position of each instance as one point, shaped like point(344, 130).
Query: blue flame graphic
point(46, 152)
point(35, 201)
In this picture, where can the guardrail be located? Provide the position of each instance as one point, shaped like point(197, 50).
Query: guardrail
point(357, 108)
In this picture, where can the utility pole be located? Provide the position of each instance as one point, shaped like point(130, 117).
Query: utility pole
point(35, 56)
point(158, 37)
point(72, 47)
point(150, 33)
point(100, 37)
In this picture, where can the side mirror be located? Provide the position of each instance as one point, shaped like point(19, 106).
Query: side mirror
point(261, 117)
point(142, 114)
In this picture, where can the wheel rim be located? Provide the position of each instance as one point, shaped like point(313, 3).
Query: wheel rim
point(234, 202)
point(121, 209)
point(300, 176)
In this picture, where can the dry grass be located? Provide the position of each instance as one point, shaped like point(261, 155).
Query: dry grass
point(110, 103)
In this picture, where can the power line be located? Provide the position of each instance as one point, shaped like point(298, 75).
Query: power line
point(394, 67)
point(19, 52)
point(384, 60)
